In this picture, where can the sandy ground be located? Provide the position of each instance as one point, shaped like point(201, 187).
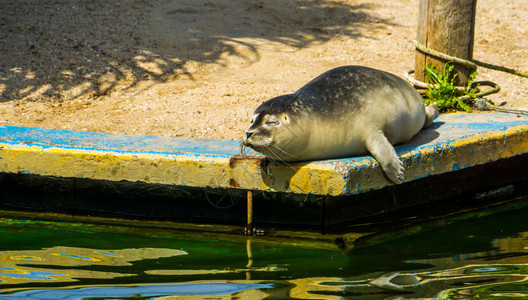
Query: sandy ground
point(198, 68)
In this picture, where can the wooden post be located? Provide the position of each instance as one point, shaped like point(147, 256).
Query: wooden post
point(447, 26)
point(249, 212)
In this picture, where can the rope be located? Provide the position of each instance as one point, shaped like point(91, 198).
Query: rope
point(471, 64)
point(423, 85)
point(495, 87)
point(443, 56)
point(480, 102)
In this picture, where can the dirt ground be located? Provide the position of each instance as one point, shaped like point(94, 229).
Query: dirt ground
point(198, 68)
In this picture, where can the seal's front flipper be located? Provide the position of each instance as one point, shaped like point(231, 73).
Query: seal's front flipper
point(384, 153)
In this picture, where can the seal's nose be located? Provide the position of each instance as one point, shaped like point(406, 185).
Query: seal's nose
point(248, 134)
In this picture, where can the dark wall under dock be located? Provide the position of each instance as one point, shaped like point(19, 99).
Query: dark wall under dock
point(457, 190)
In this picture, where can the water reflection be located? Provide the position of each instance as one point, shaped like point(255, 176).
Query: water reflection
point(486, 258)
point(220, 290)
point(19, 267)
point(483, 258)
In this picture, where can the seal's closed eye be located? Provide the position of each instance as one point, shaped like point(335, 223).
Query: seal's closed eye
point(272, 123)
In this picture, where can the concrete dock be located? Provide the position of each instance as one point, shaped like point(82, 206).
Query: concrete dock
point(453, 143)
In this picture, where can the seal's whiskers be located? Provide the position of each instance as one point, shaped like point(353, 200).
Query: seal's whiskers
point(271, 154)
point(242, 149)
point(285, 152)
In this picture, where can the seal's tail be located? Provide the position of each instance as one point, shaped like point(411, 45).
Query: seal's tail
point(431, 113)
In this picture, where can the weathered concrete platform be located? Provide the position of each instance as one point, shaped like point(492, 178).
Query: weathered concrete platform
point(455, 142)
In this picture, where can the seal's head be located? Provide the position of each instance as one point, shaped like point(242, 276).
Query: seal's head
point(272, 131)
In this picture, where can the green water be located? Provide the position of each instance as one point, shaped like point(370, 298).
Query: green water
point(484, 258)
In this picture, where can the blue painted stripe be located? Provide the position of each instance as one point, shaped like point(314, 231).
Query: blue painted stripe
point(118, 143)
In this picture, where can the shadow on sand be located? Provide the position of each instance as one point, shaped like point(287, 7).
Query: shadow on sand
point(61, 50)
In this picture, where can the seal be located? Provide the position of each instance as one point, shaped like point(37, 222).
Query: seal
point(346, 111)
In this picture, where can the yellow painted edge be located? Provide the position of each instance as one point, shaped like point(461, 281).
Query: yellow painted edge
point(150, 168)
point(318, 178)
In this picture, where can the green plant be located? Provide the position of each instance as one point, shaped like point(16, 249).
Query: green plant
point(443, 91)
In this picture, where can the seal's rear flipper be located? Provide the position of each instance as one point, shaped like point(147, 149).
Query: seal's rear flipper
point(384, 153)
point(431, 113)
